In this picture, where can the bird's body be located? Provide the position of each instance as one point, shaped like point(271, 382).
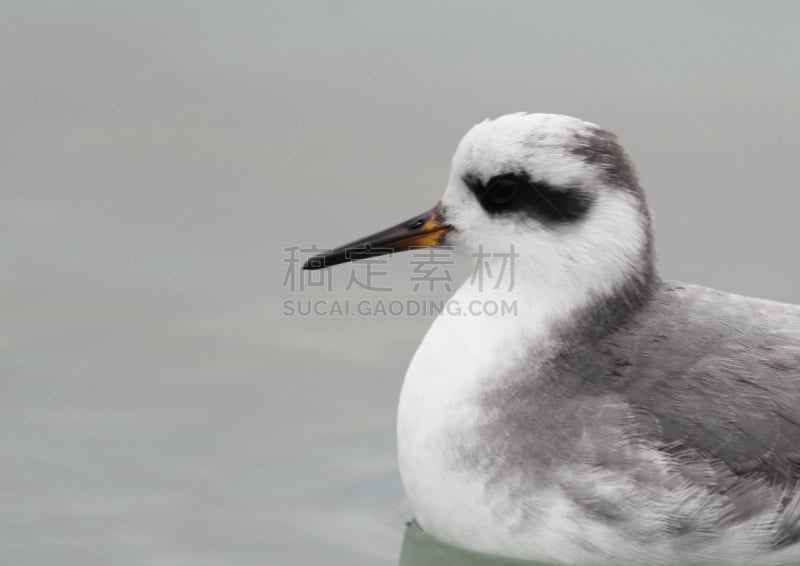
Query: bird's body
point(611, 417)
point(672, 435)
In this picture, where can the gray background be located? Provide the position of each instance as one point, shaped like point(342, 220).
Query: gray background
point(156, 406)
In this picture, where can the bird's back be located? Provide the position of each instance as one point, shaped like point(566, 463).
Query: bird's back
point(714, 372)
point(679, 425)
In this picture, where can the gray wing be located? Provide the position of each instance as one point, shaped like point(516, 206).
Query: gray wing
point(718, 374)
point(710, 379)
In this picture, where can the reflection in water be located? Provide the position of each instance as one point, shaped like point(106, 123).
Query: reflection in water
point(421, 549)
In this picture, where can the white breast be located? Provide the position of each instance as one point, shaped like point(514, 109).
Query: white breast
point(439, 408)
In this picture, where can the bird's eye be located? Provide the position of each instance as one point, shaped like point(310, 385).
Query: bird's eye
point(502, 190)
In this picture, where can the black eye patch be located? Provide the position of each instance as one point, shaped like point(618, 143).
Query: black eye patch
point(515, 193)
point(500, 191)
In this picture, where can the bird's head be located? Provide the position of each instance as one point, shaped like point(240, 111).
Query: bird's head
point(560, 190)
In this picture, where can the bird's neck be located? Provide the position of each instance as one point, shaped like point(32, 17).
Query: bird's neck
point(549, 292)
point(545, 302)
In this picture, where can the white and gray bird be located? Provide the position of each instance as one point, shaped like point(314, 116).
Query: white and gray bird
point(616, 418)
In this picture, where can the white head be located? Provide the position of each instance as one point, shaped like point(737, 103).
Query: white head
point(560, 190)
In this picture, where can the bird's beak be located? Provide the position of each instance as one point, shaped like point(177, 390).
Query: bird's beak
point(426, 229)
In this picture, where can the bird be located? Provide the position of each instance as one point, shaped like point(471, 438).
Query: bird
point(614, 417)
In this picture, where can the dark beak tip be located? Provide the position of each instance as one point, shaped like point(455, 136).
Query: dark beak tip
point(398, 238)
point(314, 263)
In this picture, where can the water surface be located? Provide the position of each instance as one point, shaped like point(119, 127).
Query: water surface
point(156, 406)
